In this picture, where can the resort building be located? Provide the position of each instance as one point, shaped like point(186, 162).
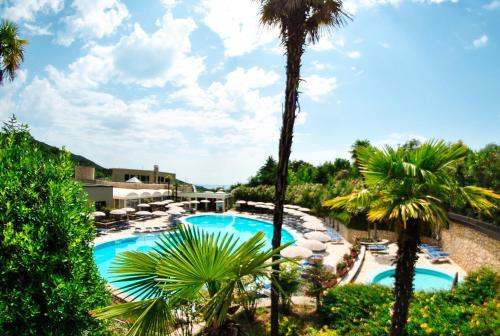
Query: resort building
point(127, 189)
point(100, 195)
point(145, 176)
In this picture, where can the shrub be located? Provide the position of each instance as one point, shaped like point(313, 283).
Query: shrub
point(289, 282)
point(288, 327)
point(49, 281)
point(470, 309)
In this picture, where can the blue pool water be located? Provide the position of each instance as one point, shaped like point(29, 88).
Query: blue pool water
point(242, 228)
point(425, 279)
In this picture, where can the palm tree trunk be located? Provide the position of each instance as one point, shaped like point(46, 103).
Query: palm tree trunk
point(408, 241)
point(294, 50)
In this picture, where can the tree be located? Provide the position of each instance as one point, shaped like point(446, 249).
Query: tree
point(316, 276)
point(186, 265)
point(266, 174)
point(49, 281)
point(356, 146)
point(11, 50)
point(408, 189)
point(298, 21)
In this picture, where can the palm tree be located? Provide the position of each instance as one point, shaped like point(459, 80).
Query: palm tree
point(298, 21)
point(408, 189)
point(187, 265)
point(11, 50)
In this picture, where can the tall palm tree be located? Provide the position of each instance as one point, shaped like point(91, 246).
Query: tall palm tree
point(299, 22)
point(408, 189)
point(186, 265)
point(11, 50)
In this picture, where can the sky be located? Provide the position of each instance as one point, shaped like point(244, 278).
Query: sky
point(197, 86)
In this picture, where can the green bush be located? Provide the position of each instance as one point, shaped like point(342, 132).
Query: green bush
point(49, 281)
point(470, 309)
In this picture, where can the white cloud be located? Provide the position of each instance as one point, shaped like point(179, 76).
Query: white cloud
point(237, 24)
point(150, 60)
point(327, 43)
point(493, 5)
point(481, 41)
point(317, 87)
point(237, 106)
point(318, 66)
point(354, 54)
point(38, 30)
point(352, 6)
point(92, 19)
point(18, 10)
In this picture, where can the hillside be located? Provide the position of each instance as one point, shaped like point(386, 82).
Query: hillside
point(100, 172)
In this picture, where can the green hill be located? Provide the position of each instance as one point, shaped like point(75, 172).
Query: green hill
point(100, 172)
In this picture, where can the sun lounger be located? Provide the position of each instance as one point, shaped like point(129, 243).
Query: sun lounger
point(334, 236)
point(156, 229)
point(425, 247)
point(433, 250)
point(138, 230)
point(148, 229)
point(437, 254)
point(378, 248)
point(435, 257)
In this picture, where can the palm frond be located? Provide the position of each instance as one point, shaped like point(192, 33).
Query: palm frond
point(150, 317)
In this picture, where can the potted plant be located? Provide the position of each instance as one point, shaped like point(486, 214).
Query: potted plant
point(348, 259)
point(341, 269)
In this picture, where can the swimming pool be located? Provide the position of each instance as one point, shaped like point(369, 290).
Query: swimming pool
point(242, 227)
point(426, 279)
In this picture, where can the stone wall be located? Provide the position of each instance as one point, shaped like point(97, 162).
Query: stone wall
point(470, 243)
point(471, 248)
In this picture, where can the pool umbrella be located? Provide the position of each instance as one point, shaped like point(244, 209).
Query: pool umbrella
point(204, 201)
point(296, 252)
point(241, 202)
point(118, 212)
point(143, 213)
point(316, 226)
point(98, 214)
point(143, 205)
point(313, 245)
point(180, 210)
point(319, 236)
point(167, 201)
point(304, 209)
point(309, 218)
point(156, 203)
point(174, 212)
point(251, 203)
point(194, 202)
point(127, 210)
point(159, 213)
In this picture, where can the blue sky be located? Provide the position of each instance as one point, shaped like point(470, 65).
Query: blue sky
point(196, 86)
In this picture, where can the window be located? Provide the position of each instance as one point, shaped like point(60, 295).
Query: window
point(99, 205)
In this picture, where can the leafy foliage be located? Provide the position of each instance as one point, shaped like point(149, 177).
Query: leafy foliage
point(470, 309)
point(49, 281)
